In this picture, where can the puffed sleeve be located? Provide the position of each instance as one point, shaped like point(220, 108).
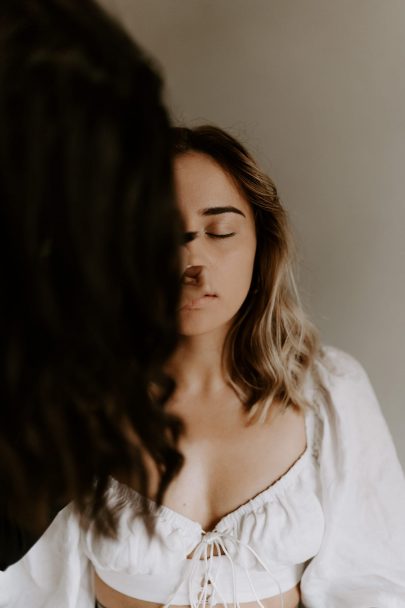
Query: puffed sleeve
point(55, 573)
point(361, 561)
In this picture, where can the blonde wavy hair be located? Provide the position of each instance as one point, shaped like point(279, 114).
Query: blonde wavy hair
point(271, 346)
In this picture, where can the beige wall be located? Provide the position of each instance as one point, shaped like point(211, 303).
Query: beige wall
point(316, 88)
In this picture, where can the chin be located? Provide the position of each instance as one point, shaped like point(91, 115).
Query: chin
point(194, 327)
point(189, 332)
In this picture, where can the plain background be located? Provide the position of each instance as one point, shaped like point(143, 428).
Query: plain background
point(316, 90)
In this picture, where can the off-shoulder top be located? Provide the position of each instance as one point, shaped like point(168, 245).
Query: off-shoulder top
point(261, 546)
point(334, 523)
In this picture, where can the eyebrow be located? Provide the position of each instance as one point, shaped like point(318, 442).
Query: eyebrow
point(219, 210)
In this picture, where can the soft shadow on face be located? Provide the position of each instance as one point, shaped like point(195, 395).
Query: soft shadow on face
point(220, 244)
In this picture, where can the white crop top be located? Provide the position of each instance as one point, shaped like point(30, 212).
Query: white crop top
point(334, 523)
point(261, 546)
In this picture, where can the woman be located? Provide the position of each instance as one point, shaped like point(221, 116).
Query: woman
point(290, 489)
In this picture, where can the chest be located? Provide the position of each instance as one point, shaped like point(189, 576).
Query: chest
point(227, 460)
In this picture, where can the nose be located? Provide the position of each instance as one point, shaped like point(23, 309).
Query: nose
point(195, 261)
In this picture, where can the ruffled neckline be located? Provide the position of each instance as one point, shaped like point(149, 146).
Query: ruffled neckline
point(263, 497)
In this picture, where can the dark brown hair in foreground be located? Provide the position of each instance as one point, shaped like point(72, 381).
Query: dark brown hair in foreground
point(89, 267)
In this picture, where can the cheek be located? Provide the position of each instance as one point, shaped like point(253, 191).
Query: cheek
point(240, 267)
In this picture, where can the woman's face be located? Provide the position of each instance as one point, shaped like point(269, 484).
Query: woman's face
point(219, 251)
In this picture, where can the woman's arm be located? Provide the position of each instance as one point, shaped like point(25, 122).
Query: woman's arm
point(15, 540)
point(361, 562)
point(55, 571)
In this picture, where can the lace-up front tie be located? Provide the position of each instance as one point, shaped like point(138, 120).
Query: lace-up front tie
point(208, 593)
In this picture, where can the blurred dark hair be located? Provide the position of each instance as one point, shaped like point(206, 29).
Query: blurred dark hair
point(271, 345)
point(89, 268)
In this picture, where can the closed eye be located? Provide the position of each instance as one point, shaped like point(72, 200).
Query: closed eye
point(220, 236)
point(190, 236)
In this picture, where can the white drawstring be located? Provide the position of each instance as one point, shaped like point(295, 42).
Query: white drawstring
point(233, 576)
point(217, 591)
point(210, 541)
point(280, 593)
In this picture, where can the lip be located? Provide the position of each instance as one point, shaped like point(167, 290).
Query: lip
point(200, 302)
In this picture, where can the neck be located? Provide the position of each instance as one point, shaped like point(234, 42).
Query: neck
point(196, 366)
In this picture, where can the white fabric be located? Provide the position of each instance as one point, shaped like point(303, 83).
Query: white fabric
point(335, 522)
